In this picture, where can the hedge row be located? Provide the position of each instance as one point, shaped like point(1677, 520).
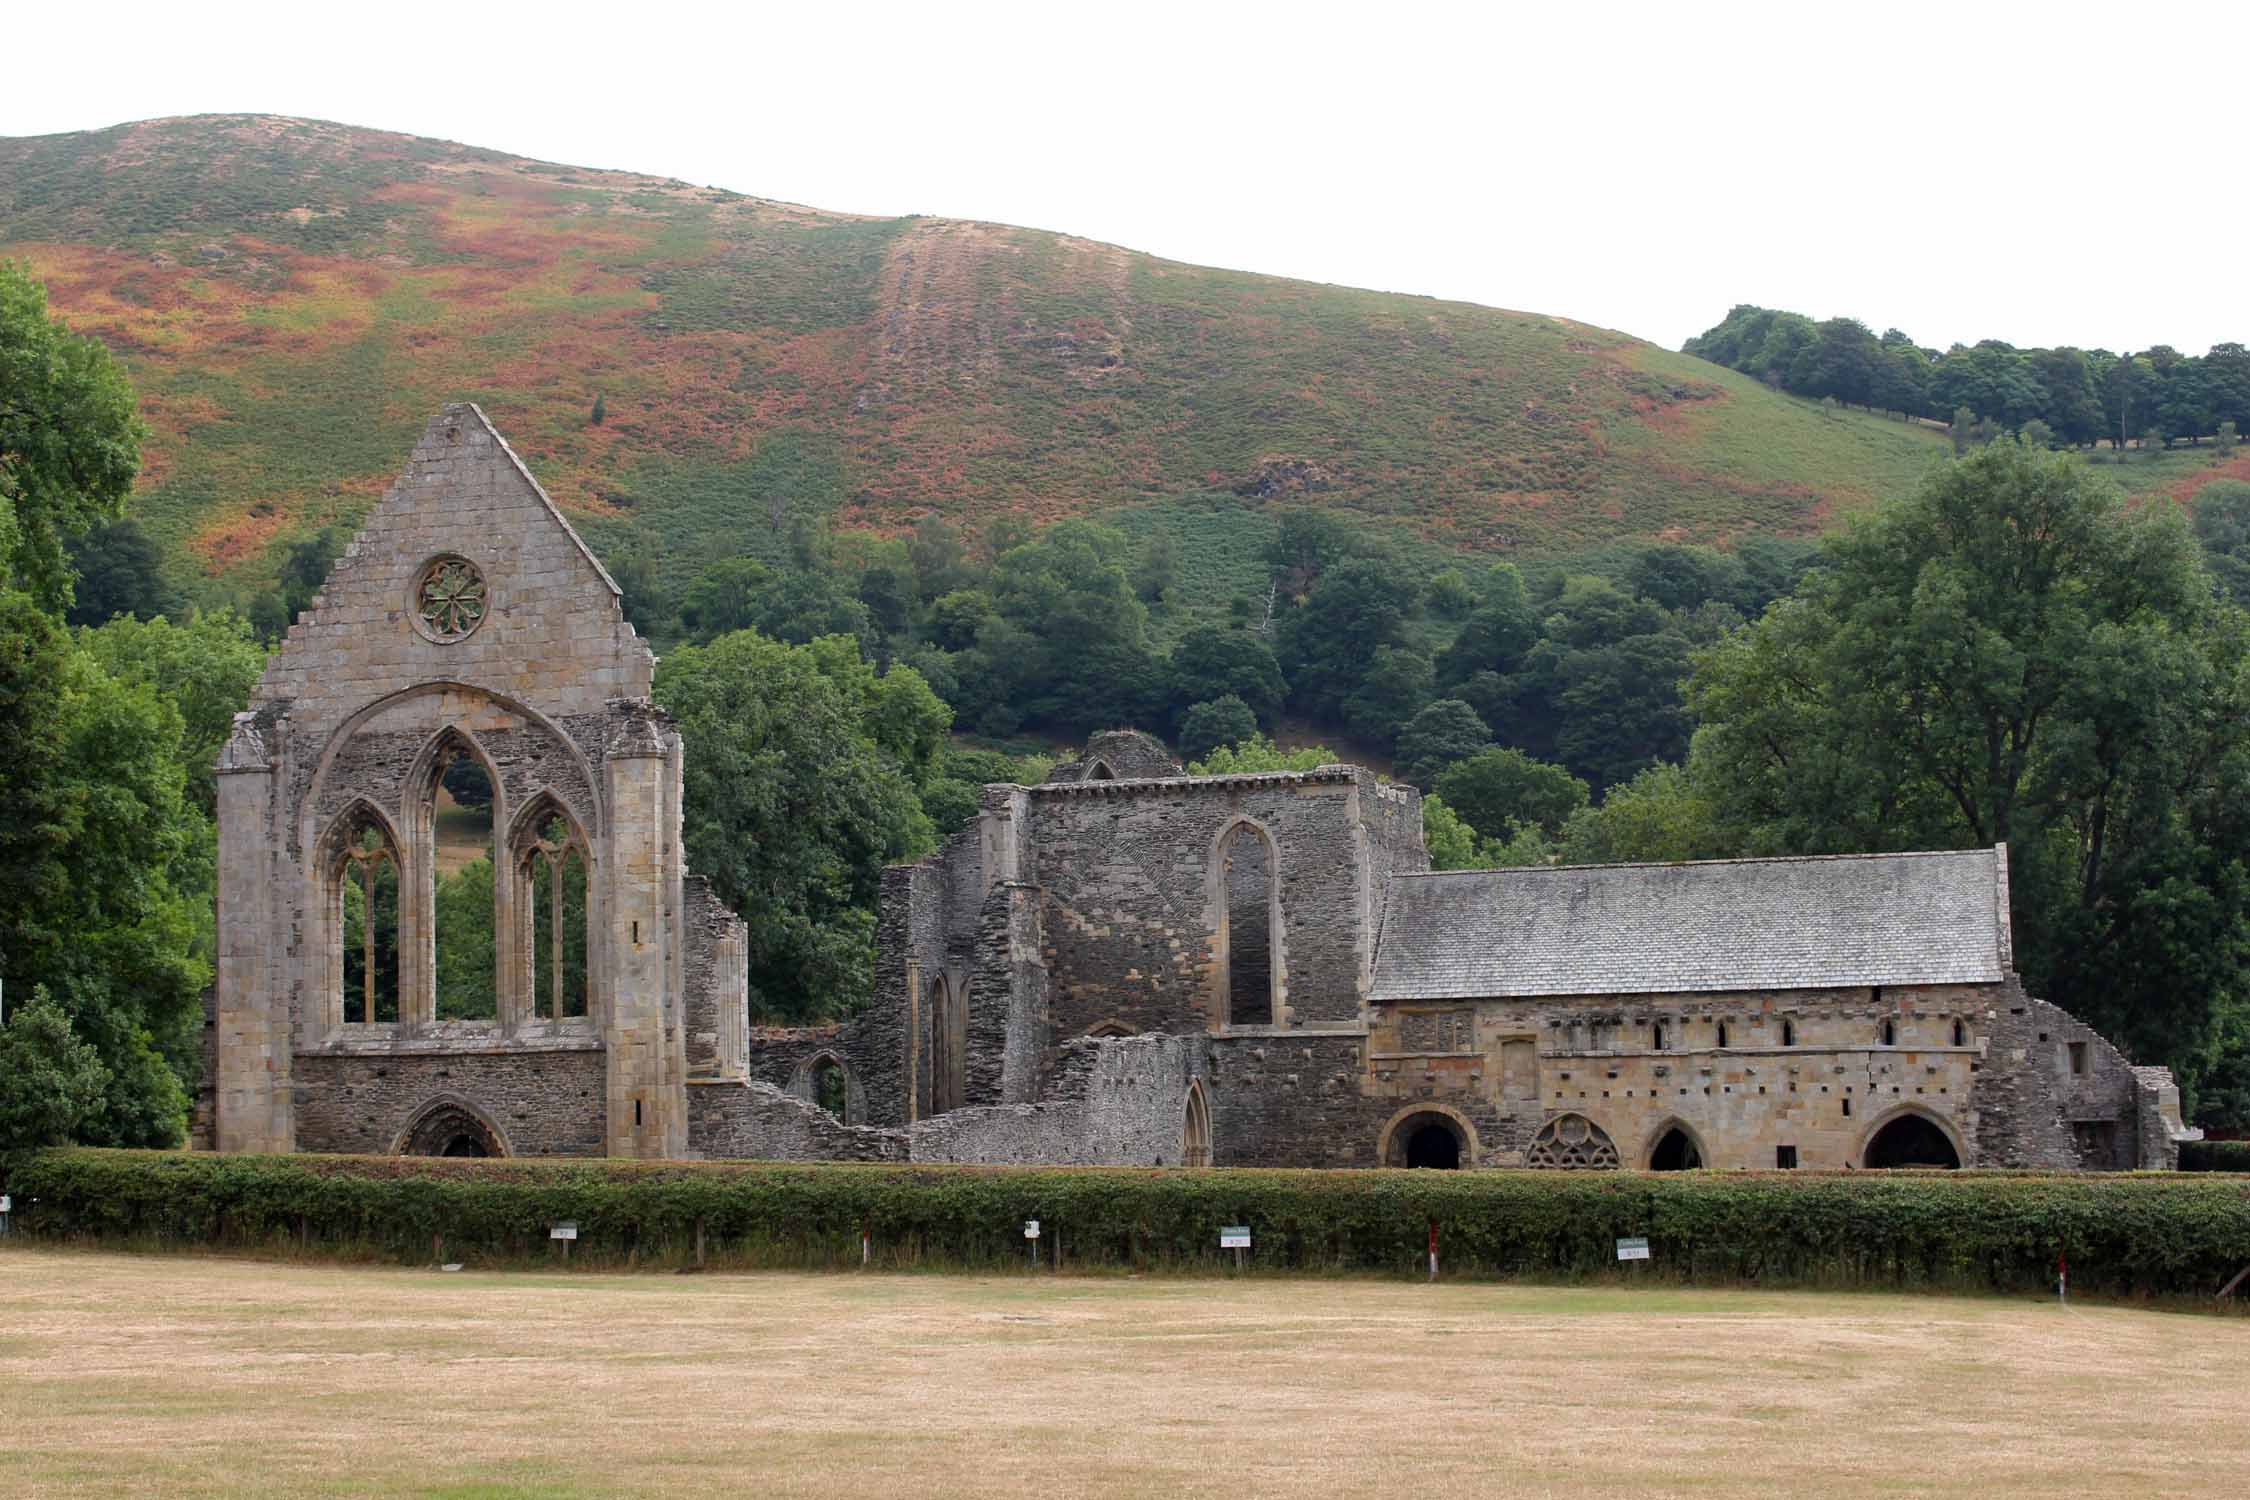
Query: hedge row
point(2215, 1156)
point(2126, 1235)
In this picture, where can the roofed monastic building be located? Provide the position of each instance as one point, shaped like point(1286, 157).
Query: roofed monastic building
point(454, 916)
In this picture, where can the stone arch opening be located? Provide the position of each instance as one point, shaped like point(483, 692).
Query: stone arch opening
point(457, 810)
point(552, 882)
point(830, 1084)
point(949, 1051)
point(1195, 1127)
point(1428, 1135)
point(360, 890)
point(452, 1127)
point(1250, 905)
point(1676, 1150)
point(1572, 1143)
point(1910, 1138)
point(1100, 771)
point(1111, 1029)
point(1960, 1033)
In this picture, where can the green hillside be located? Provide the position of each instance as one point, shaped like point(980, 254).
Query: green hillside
point(293, 297)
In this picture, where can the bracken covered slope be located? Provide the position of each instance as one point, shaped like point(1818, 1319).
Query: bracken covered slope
point(293, 298)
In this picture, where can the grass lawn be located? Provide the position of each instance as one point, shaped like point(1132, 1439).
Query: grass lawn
point(191, 1376)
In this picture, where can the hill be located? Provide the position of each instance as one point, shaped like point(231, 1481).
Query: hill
point(293, 297)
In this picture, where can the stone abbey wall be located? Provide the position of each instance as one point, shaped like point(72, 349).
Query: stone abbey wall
point(465, 621)
point(1122, 965)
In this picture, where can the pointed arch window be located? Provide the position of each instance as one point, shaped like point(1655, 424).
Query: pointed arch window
point(363, 889)
point(551, 882)
point(460, 804)
point(1249, 915)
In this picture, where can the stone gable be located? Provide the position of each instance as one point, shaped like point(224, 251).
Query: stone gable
point(553, 635)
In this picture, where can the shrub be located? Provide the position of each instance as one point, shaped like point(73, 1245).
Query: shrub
point(2128, 1235)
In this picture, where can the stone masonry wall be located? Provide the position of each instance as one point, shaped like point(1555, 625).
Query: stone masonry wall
point(544, 1103)
point(1132, 896)
point(1112, 1102)
point(2036, 1109)
point(755, 1121)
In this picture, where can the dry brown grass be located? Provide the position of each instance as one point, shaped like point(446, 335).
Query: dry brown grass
point(189, 1376)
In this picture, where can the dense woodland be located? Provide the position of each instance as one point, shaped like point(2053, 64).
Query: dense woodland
point(2006, 654)
point(2052, 397)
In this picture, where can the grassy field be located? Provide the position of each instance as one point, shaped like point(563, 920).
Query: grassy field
point(191, 1376)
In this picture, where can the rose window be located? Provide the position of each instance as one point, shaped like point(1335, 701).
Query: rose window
point(450, 599)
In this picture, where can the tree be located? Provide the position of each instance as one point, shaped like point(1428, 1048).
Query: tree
point(50, 1081)
point(1496, 634)
point(600, 410)
point(939, 562)
point(1453, 844)
point(792, 810)
point(1211, 663)
point(1497, 791)
point(120, 571)
point(206, 667)
point(1395, 685)
point(1257, 753)
point(1442, 733)
point(1661, 815)
point(101, 857)
point(1206, 727)
point(1329, 643)
point(70, 443)
point(2011, 656)
point(1158, 571)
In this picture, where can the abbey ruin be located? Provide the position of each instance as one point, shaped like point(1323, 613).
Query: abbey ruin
point(1123, 965)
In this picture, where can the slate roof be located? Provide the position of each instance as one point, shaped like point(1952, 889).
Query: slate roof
point(1742, 924)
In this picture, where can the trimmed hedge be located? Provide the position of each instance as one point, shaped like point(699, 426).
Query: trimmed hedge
point(2215, 1156)
point(2153, 1234)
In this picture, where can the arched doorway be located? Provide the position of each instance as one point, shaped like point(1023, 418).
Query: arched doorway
point(1675, 1151)
point(1428, 1136)
point(1195, 1127)
point(451, 1128)
point(1911, 1139)
point(1434, 1145)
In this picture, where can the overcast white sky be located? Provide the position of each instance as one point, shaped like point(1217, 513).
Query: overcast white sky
point(2041, 174)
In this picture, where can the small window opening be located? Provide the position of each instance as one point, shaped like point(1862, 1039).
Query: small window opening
point(1960, 1034)
point(1847, 1106)
point(1722, 1033)
point(1890, 1032)
point(2078, 1059)
point(1657, 1034)
point(636, 1111)
point(1788, 1032)
point(1785, 1157)
point(636, 932)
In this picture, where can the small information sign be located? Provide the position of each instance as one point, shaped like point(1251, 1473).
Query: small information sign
point(1031, 1229)
point(1633, 1249)
point(562, 1231)
point(1234, 1237)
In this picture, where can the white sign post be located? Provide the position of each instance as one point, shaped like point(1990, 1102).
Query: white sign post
point(1235, 1237)
point(564, 1232)
point(1633, 1249)
point(1031, 1234)
point(7, 1204)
